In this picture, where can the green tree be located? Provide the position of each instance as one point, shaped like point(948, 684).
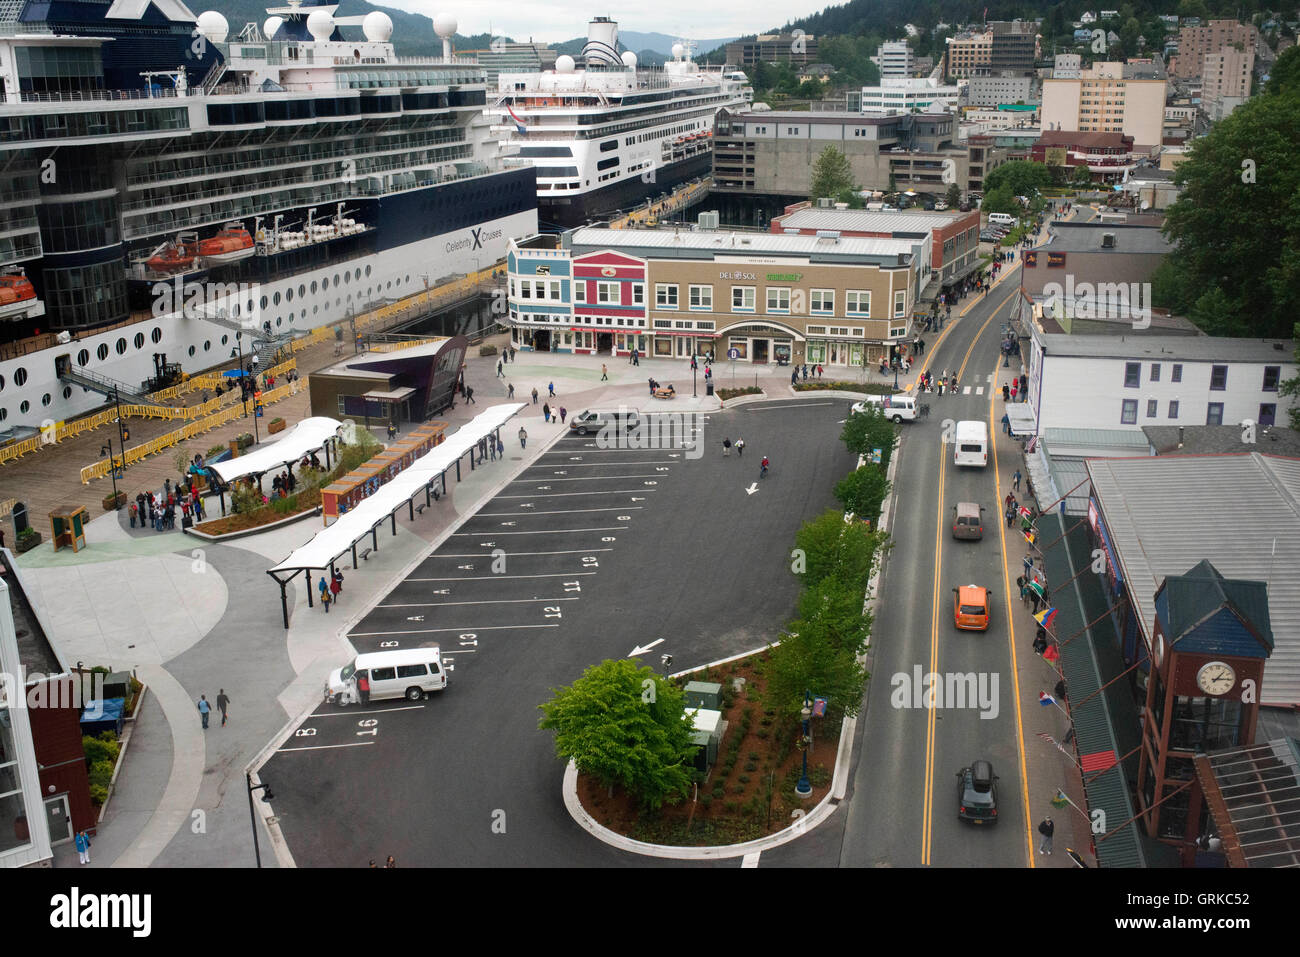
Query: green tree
point(832, 546)
point(953, 196)
point(831, 174)
point(835, 608)
point(863, 491)
point(1021, 177)
point(868, 430)
point(1284, 76)
point(1236, 223)
point(808, 660)
point(1001, 200)
point(625, 725)
point(1291, 387)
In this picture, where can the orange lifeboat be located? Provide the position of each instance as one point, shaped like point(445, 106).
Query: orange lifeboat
point(232, 243)
point(173, 257)
point(15, 288)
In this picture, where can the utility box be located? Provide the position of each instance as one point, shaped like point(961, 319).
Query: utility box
point(707, 735)
point(704, 694)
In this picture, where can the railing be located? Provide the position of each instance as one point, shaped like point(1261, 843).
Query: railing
point(78, 96)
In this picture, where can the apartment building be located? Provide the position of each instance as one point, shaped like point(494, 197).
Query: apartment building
point(1014, 47)
point(1225, 81)
point(773, 48)
point(1005, 117)
point(995, 90)
point(894, 57)
point(673, 293)
point(968, 56)
point(909, 95)
point(1196, 41)
point(1102, 100)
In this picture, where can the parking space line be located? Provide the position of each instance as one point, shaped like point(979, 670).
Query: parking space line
point(434, 631)
point(540, 531)
point(485, 578)
point(498, 601)
point(567, 511)
point(353, 714)
point(595, 478)
point(596, 465)
point(326, 747)
point(609, 491)
point(569, 551)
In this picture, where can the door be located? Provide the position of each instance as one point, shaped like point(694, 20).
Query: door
point(1267, 413)
point(604, 343)
point(542, 340)
point(761, 347)
point(58, 817)
point(685, 346)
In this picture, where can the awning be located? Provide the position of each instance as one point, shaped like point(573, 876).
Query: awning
point(305, 437)
point(965, 271)
point(1022, 419)
point(397, 395)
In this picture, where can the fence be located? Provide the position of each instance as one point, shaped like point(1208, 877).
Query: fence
point(218, 416)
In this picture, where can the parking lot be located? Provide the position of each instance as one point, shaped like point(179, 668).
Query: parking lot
point(594, 551)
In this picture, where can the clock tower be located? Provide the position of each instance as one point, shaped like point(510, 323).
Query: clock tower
point(1209, 643)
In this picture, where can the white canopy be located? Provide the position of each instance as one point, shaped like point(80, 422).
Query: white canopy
point(329, 543)
point(307, 436)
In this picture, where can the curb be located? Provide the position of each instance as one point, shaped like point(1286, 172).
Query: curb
point(256, 530)
point(127, 733)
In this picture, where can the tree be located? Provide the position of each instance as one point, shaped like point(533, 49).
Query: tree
point(626, 725)
point(953, 196)
point(1291, 387)
point(1001, 200)
point(1236, 223)
point(868, 430)
point(1021, 177)
point(831, 174)
point(1284, 76)
point(863, 491)
point(808, 660)
point(835, 608)
point(832, 546)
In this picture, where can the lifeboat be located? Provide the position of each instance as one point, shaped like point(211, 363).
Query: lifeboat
point(175, 256)
point(16, 292)
point(232, 243)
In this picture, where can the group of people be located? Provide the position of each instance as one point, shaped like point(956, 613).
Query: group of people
point(804, 371)
point(1017, 390)
point(945, 383)
point(548, 413)
point(728, 445)
point(158, 510)
point(329, 591)
point(491, 446)
point(284, 483)
point(507, 355)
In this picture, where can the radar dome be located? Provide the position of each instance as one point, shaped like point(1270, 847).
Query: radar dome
point(272, 26)
point(444, 24)
point(564, 63)
point(377, 26)
point(213, 26)
point(678, 51)
point(629, 59)
point(320, 25)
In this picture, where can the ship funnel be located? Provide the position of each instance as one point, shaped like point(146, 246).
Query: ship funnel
point(602, 43)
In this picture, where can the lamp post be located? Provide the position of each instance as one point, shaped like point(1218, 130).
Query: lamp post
point(804, 787)
point(121, 448)
point(252, 813)
point(896, 364)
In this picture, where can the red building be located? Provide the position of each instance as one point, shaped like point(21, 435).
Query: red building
point(609, 304)
point(1108, 156)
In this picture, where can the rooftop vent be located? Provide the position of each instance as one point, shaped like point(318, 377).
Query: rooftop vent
point(833, 234)
point(825, 203)
point(1107, 240)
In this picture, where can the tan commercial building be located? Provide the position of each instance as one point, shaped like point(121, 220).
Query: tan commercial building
point(773, 48)
point(1195, 42)
point(1101, 100)
point(969, 56)
point(1225, 81)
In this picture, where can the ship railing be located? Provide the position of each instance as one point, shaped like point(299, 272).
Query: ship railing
point(74, 96)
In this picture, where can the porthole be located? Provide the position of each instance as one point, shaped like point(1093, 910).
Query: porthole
point(156, 336)
point(83, 357)
point(263, 302)
point(314, 309)
point(302, 290)
point(102, 352)
point(325, 282)
point(4, 414)
point(279, 320)
point(249, 307)
point(314, 286)
point(121, 347)
point(23, 407)
point(67, 392)
point(356, 274)
point(139, 340)
point(20, 376)
point(301, 315)
point(276, 299)
point(234, 311)
point(191, 352)
point(367, 272)
point(336, 279)
point(225, 340)
point(389, 284)
point(288, 295)
point(347, 278)
point(408, 279)
point(45, 399)
point(207, 345)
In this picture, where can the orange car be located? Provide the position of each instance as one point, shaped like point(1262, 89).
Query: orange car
point(970, 607)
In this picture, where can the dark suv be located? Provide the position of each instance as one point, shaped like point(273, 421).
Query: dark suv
point(977, 793)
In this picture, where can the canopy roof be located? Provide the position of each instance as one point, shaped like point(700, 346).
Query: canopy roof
point(307, 436)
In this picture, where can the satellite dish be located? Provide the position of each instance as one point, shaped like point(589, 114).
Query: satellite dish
point(629, 59)
point(564, 63)
point(444, 24)
point(678, 51)
point(213, 26)
point(272, 26)
point(377, 26)
point(320, 25)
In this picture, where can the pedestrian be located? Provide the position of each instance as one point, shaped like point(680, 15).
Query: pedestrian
point(132, 511)
point(726, 446)
point(1047, 829)
point(563, 413)
point(510, 393)
point(204, 710)
point(636, 357)
point(1040, 641)
point(469, 395)
point(1014, 386)
point(1015, 478)
point(604, 373)
point(336, 586)
point(390, 862)
point(223, 702)
point(325, 600)
point(534, 396)
point(1060, 690)
point(1010, 514)
point(322, 587)
point(83, 846)
point(651, 380)
point(363, 690)
point(805, 373)
point(551, 387)
point(500, 367)
point(501, 447)
point(546, 411)
point(1024, 386)
point(794, 377)
point(819, 370)
point(523, 439)
point(1006, 393)
point(740, 446)
point(1006, 423)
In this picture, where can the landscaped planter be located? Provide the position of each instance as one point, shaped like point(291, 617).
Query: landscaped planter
point(111, 502)
point(26, 543)
point(276, 425)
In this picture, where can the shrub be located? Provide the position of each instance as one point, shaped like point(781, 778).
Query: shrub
point(751, 766)
point(743, 779)
point(105, 747)
point(738, 789)
point(762, 734)
point(732, 807)
point(487, 350)
point(215, 450)
point(863, 491)
point(99, 793)
point(101, 772)
point(706, 800)
point(276, 420)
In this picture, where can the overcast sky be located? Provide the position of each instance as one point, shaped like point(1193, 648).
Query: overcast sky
point(557, 20)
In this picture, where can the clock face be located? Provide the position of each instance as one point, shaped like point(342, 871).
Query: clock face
point(1216, 678)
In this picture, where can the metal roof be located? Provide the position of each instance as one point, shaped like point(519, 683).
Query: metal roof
point(1129, 239)
point(1253, 794)
point(867, 221)
point(1172, 348)
point(1240, 512)
point(1166, 439)
point(709, 243)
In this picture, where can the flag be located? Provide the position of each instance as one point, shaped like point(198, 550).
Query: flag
point(1030, 536)
point(519, 124)
point(1045, 699)
point(1046, 617)
point(1051, 654)
point(1060, 800)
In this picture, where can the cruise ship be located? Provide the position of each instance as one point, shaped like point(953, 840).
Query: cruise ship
point(173, 190)
point(609, 135)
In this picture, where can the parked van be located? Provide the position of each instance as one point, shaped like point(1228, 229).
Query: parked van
point(408, 673)
point(900, 408)
point(623, 420)
point(1002, 219)
point(971, 444)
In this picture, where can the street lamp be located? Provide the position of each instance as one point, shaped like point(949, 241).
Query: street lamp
point(107, 449)
point(252, 813)
point(804, 787)
point(896, 364)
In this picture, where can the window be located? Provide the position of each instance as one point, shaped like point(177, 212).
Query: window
point(412, 671)
point(1218, 378)
point(823, 302)
point(1130, 414)
point(554, 292)
point(778, 299)
point(1272, 374)
point(579, 290)
point(1155, 372)
point(1173, 409)
point(638, 293)
point(383, 674)
point(1132, 374)
point(857, 302)
point(702, 297)
point(525, 289)
point(900, 304)
point(607, 292)
point(1214, 414)
point(1177, 374)
point(742, 298)
point(665, 295)
point(1153, 408)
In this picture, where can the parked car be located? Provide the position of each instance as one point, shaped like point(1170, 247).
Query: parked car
point(977, 793)
point(940, 206)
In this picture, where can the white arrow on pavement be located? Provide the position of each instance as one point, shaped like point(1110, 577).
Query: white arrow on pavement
point(642, 649)
point(415, 618)
point(752, 489)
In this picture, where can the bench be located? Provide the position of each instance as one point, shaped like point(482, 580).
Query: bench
point(365, 554)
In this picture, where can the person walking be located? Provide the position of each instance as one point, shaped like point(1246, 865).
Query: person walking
point(510, 390)
point(762, 467)
point(1040, 641)
point(563, 414)
point(546, 411)
point(794, 378)
point(1047, 829)
point(223, 702)
point(1006, 393)
point(1014, 386)
point(726, 446)
point(1015, 479)
point(83, 846)
point(335, 588)
point(500, 369)
point(740, 446)
point(132, 511)
point(363, 690)
point(551, 388)
point(325, 599)
point(1006, 423)
point(534, 396)
point(819, 370)
point(204, 710)
point(604, 373)
point(523, 439)
point(469, 395)
point(636, 357)
point(323, 588)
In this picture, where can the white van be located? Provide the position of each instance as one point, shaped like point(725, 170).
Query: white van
point(900, 408)
point(407, 673)
point(971, 444)
point(1002, 219)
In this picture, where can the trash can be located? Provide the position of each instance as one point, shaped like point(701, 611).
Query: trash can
point(708, 388)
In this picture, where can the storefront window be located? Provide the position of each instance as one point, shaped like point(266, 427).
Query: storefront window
point(664, 346)
point(855, 354)
point(817, 351)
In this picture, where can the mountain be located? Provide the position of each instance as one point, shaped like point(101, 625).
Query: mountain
point(662, 43)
